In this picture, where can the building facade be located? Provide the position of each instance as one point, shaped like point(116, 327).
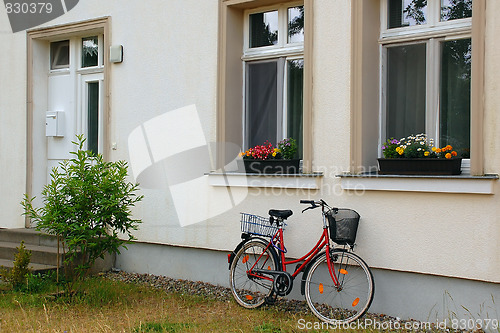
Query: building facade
point(179, 88)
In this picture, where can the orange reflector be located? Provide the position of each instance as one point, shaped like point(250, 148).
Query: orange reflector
point(343, 271)
point(321, 289)
point(356, 301)
point(268, 268)
point(245, 259)
point(249, 297)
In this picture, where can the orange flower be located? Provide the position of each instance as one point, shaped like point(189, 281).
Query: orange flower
point(454, 153)
point(448, 147)
point(438, 150)
point(448, 155)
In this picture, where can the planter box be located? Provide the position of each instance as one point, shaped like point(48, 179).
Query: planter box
point(271, 167)
point(419, 166)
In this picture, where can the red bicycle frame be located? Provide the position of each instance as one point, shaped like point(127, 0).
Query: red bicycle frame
point(322, 242)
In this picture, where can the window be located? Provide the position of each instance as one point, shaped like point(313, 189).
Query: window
point(426, 71)
point(59, 54)
point(273, 69)
point(90, 51)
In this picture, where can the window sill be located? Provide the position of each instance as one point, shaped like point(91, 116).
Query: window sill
point(310, 181)
point(408, 183)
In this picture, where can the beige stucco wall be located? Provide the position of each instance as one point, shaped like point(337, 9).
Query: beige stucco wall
point(170, 61)
point(13, 123)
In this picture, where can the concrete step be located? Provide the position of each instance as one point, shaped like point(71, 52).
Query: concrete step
point(35, 268)
point(46, 255)
point(43, 249)
point(29, 236)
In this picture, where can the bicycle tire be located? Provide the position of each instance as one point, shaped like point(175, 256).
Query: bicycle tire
point(251, 292)
point(347, 302)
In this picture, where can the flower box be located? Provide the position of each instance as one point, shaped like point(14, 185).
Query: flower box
point(420, 166)
point(271, 167)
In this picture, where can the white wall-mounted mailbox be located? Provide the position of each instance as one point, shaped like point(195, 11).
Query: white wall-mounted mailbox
point(54, 123)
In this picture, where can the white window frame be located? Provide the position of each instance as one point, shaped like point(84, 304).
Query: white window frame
point(100, 53)
point(283, 49)
point(432, 34)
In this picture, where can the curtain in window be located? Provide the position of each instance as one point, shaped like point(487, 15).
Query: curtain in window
point(295, 102)
point(262, 102)
point(405, 90)
point(455, 95)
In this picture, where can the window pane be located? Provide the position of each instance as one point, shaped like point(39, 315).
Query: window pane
point(89, 51)
point(59, 54)
point(455, 9)
point(404, 13)
point(262, 102)
point(264, 29)
point(455, 95)
point(296, 24)
point(405, 90)
point(93, 116)
point(295, 102)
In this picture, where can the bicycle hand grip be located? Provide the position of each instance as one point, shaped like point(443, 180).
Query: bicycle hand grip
point(311, 202)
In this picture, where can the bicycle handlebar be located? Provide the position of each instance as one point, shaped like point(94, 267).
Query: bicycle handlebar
point(307, 202)
point(314, 204)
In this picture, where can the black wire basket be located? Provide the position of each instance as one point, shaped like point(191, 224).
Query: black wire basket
point(343, 224)
point(257, 225)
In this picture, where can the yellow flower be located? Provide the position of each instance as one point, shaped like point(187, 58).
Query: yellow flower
point(274, 154)
point(448, 155)
point(434, 148)
point(426, 153)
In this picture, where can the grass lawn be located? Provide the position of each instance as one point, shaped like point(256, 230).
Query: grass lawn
point(113, 306)
point(107, 305)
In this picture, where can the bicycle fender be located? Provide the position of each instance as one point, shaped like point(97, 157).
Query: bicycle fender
point(306, 271)
point(308, 267)
point(240, 245)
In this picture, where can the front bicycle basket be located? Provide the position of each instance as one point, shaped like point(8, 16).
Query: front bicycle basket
point(257, 225)
point(343, 226)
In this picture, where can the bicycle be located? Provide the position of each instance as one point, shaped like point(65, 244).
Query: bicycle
point(338, 285)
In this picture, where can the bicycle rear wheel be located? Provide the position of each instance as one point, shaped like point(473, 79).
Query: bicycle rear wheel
point(250, 291)
point(350, 299)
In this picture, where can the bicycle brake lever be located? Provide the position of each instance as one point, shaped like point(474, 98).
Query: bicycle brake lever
point(310, 207)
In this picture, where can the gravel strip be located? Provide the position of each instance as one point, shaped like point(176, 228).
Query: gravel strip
point(387, 323)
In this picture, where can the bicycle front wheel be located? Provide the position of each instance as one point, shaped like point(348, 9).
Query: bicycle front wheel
point(346, 301)
point(250, 290)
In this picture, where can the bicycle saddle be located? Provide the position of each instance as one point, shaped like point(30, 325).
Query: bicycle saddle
point(284, 214)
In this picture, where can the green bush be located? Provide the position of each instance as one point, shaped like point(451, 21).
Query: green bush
point(87, 204)
point(18, 275)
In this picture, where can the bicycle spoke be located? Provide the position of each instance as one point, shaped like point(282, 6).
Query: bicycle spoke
point(248, 288)
point(346, 301)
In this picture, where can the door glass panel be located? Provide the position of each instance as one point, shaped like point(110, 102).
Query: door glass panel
point(455, 9)
point(406, 90)
point(296, 24)
point(295, 101)
point(90, 51)
point(264, 29)
point(455, 96)
point(93, 117)
point(262, 102)
point(405, 13)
